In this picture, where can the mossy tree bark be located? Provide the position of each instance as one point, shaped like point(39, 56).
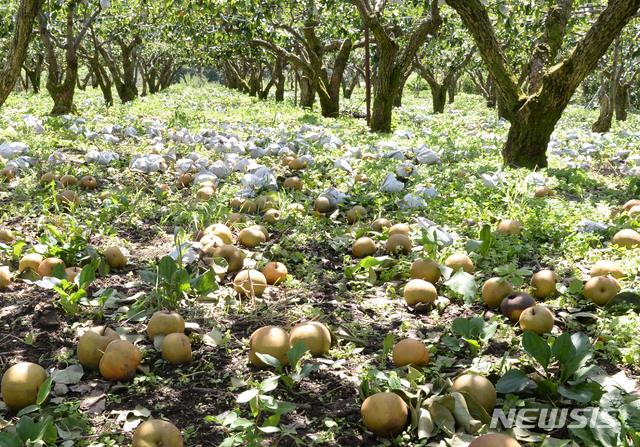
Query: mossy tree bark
point(34, 72)
point(17, 54)
point(394, 61)
point(533, 115)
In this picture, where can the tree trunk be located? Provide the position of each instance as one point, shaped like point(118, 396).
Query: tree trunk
point(280, 79)
point(621, 101)
point(27, 11)
point(452, 90)
point(352, 85)
point(534, 116)
point(397, 102)
point(307, 93)
point(529, 134)
point(603, 124)
point(35, 74)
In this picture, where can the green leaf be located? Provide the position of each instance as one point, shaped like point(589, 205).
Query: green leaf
point(27, 410)
point(44, 391)
point(148, 277)
point(86, 276)
point(443, 418)
point(247, 396)
point(59, 272)
point(575, 287)
point(368, 262)
point(630, 414)
point(464, 284)
point(513, 381)
point(307, 369)
point(451, 343)
point(582, 393)
point(271, 421)
point(269, 359)
point(206, 282)
point(269, 429)
point(472, 245)
point(7, 440)
point(167, 267)
point(524, 271)
point(629, 298)
point(581, 342)
point(394, 382)
point(501, 270)
point(241, 423)
point(387, 343)
point(285, 407)
point(563, 348)
point(294, 354)
point(25, 429)
point(488, 331)
point(462, 326)
point(537, 347)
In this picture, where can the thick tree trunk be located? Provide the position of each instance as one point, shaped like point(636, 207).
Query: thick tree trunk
point(27, 11)
point(533, 116)
point(603, 123)
point(280, 79)
point(453, 88)
point(352, 85)
point(307, 93)
point(397, 102)
point(529, 134)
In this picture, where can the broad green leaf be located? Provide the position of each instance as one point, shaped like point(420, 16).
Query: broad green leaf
point(59, 272)
point(537, 347)
point(368, 262)
point(269, 359)
point(464, 284)
point(629, 298)
point(307, 369)
point(630, 414)
point(472, 245)
point(563, 348)
point(488, 331)
point(581, 342)
point(294, 354)
point(247, 396)
point(451, 343)
point(462, 326)
point(27, 410)
point(26, 429)
point(387, 343)
point(44, 391)
point(269, 384)
point(86, 276)
point(582, 393)
point(575, 287)
point(285, 407)
point(7, 440)
point(269, 429)
point(167, 267)
point(513, 381)
point(241, 423)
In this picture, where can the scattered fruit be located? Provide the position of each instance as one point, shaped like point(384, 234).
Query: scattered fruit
point(46, 267)
point(315, 336)
point(205, 193)
point(544, 191)
point(364, 246)
point(157, 433)
point(120, 360)
point(251, 237)
point(270, 340)
point(380, 224)
point(410, 351)
point(361, 178)
point(399, 242)
point(426, 269)
point(271, 216)
point(6, 235)
point(165, 322)
point(92, 345)
point(275, 272)
point(20, 385)
point(220, 230)
point(509, 227)
point(479, 387)
point(494, 290)
point(604, 267)
point(115, 258)
point(234, 257)
point(627, 238)
point(419, 291)
point(68, 198)
point(68, 180)
point(513, 305)
point(322, 204)
point(536, 319)
point(544, 283)
point(292, 183)
point(399, 229)
point(248, 280)
point(5, 277)
point(48, 178)
point(31, 261)
point(88, 182)
point(176, 348)
point(355, 214)
point(385, 414)
point(601, 289)
point(459, 261)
